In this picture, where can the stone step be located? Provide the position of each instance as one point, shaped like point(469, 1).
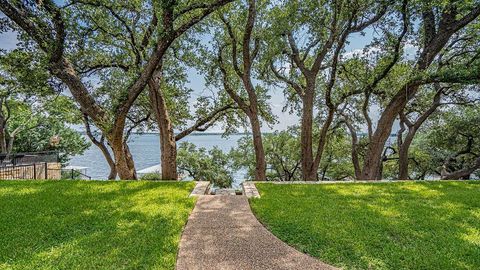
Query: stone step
point(250, 190)
point(225, 192)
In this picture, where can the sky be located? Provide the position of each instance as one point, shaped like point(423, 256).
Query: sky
point(196, 82)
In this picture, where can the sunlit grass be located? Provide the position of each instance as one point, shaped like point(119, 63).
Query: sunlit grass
point(402, 225)
point(91, 225)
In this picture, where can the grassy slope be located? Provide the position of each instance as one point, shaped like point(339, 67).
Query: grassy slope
point(91, 225)
point(430, 225)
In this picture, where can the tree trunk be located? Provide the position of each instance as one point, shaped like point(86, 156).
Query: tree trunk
point(252, 113)
point(108, 157)
point(308, 173)
point(403, 155)
point(110, 161)
point(3, 141)
point(3, 132)
point(373, 157)
point(354, 152)
point(168, 146)
point(10, 144)
point(168, 150)
point(379, 175)
point(404, 145)
point(129, 159)
point(433, 45)
point(260, 163)
point(250, 107)
point(123, 159)
point(101, 145)
point(460, 174)
point(323, 139)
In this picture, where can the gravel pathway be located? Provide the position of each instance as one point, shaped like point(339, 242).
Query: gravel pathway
point(222, 233)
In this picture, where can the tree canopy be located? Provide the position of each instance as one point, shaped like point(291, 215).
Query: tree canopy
point(371, 110)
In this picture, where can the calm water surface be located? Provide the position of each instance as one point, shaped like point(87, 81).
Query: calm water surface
point(145, 149)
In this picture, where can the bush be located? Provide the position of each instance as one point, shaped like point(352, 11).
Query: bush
point(151, 176)
point(202, 165)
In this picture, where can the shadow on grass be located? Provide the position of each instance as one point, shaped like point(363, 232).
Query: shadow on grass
point(378, 226)
point(87, 225)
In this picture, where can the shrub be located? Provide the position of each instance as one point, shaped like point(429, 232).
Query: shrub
point(151, 176)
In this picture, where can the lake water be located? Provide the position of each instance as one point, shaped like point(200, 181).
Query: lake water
point(145, 149)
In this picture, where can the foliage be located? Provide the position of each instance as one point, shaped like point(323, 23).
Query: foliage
point(403, 225)
point(34, 111)
point(151, 176)
point(451, 140)
point(337, 162)
point(283, 158)
point(202, 165)
point(38, 138)
point(92, 225)
point(281, 155)
point(108, 52)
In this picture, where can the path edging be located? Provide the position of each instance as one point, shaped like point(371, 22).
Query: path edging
point(348, 182)
point(250, 190)
point(201, 188)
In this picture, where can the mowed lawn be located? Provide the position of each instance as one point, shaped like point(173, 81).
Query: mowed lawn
point(402, 225)
point(92, 224)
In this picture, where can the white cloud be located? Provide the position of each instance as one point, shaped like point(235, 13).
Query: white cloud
point(366, 52)
point(409, 51)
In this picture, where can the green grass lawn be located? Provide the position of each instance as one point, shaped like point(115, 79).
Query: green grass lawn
point(92, 225)
point(402, 225)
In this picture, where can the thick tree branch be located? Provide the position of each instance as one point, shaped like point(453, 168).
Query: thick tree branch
point(239, 100)
point(208, 120)
point(294, 85)
point(234, 41)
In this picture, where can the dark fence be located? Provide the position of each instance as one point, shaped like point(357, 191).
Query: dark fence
point(37, 171)
point(28, 158)
point(31, 171)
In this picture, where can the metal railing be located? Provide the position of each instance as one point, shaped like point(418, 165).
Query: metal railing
point(74, 174)
point(39, 171)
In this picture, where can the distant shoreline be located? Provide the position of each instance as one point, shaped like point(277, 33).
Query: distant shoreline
point(220, 134)
point(192, 134)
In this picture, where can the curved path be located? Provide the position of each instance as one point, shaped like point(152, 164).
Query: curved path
point(222, 233)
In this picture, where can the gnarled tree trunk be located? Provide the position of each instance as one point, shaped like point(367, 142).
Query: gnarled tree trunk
point(322, 142)
point(354, 152)
point(53, 42)
point(111, 163)
point(123, 159)
point(260, 163)
point(248, 106)
point(403, 159)
point(101, 145)
point(461, 174)
point(435, 41)
point(3, 139)
point(306, 138)
point(168, 146)
point(404, 144)
point(3, 127)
